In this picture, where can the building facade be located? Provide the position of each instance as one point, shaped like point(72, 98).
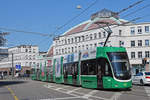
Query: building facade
point(20, 59)
point(3, 52)
point(92, 33)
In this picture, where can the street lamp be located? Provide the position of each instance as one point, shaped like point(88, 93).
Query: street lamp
point(78, 7)
point(12, 63)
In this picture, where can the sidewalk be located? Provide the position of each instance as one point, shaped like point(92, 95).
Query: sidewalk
point(16, 78)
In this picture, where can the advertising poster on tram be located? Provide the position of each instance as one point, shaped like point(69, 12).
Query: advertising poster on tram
point(90, 54)
point(42, 70)
point(58, 67)
point(49, 65)
point(70, 58)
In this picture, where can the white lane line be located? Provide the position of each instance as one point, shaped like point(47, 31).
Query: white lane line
point(84, 97)
point(48, 86)
point(89, 94)
point(147, 89)
point(58, 88)
point(73, 90)
point(65, 98)
point(116, 96)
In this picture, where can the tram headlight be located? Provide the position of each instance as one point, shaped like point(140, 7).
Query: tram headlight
point(116, 85)
point(121, 74)
point(125, 84)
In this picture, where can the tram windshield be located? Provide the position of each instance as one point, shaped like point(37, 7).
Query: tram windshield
point(120, 65)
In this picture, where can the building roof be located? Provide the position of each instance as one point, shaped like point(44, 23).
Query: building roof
point(19, 46)
point(103, 16)
point(89, 25)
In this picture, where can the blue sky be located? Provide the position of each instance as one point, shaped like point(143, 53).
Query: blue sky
point(46, 16)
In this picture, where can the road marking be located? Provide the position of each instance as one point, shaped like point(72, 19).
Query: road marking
point(89, 94)
point(48, 86)
point(77, 96)
point(80, 94)
point(65, 98)
point(73, 90)
point(116, 96)
point(147, 89)
point(12, 93)
point(58, 88)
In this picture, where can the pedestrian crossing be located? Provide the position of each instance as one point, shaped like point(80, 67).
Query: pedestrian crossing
point(82, 93)
point(147, 89)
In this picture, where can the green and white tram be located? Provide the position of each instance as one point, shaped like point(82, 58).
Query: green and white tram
point(36, 74)
point(71, 68)
point(105, 67)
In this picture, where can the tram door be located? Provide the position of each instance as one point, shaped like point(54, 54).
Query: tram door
point(51, 74)
point(47, 74)
point(38, 74)
point(74, 73)
point(100, 72)
point(65, 73)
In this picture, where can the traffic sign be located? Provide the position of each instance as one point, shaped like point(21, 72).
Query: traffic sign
point(18, 67)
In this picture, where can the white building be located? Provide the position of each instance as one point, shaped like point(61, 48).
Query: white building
point(23, 55)
point(89, 35)
point(44, 62)
point(3, 52)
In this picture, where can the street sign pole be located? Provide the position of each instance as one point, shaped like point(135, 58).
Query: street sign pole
point(12, 65)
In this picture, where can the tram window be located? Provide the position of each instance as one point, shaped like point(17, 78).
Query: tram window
point(84, 69)
point(72, 69)
point(69, 68)
point(106, 70)
point(32, 71)
point(92, 68)
point(88, 67)
point(76, 68)
point(64, 67)
point(65, 71)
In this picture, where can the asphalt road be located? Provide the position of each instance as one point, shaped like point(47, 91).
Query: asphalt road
point(36, 90)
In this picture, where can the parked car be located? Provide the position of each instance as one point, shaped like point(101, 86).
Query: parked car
point(141, 78)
